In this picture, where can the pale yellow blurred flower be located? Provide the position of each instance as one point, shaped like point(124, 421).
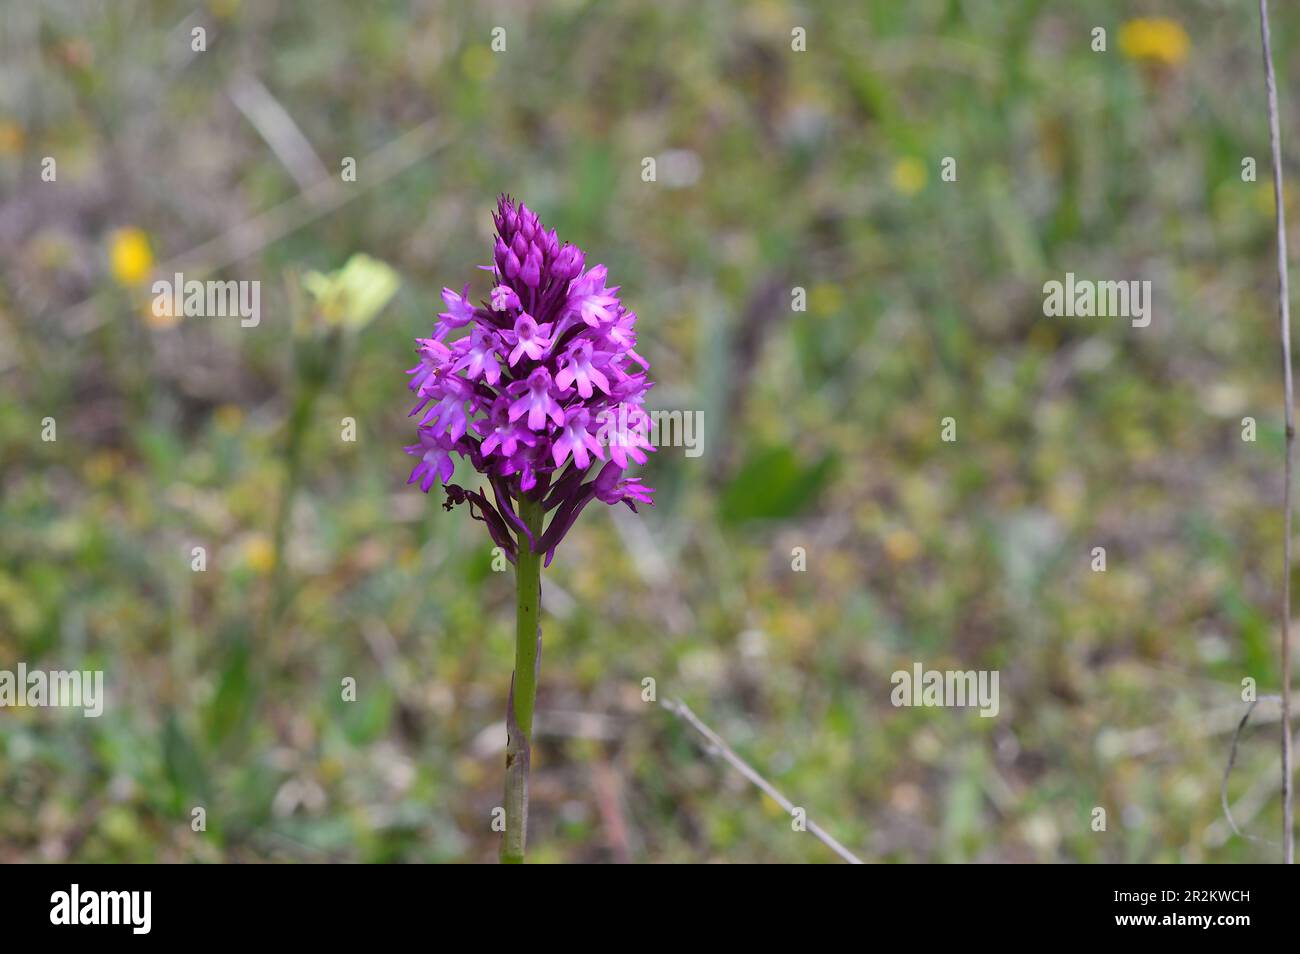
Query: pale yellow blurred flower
point(353, 295)
point(129, 256)
point(1154, 40)
point(908, 176)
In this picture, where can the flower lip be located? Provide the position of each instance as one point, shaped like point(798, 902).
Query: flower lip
point(531, 339)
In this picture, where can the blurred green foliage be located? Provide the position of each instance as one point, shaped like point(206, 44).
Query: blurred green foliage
point(777, 169)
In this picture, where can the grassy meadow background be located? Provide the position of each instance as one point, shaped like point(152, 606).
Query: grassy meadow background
point(776, 169)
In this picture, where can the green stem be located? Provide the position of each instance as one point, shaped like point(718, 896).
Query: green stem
point(297, 429)
point(523, 686)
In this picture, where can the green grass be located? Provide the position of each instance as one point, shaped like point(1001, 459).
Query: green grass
point(822, 432)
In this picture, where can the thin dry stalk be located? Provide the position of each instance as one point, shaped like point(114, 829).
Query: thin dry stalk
point(680, 709)
point(1284, 312)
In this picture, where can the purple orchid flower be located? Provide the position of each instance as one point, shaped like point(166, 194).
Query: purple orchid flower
point(531, 340)
point(480, 357)
point(579, 369)
point(434, 451)
point(537, 401)
point(574, 438)
point(528, 393)
point(543, 388)
point(459, 313)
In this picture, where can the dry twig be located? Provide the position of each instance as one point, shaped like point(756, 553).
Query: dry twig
point(680, 708)
point(1284, 313)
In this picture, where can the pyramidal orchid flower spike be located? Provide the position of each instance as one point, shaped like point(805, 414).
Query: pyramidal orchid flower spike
point(543, 394)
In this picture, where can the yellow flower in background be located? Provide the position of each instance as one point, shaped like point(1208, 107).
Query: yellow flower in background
point(908, 176)
point(1154, 40)
point(129, 256)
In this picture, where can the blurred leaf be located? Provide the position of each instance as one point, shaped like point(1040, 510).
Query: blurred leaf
point(367, 718)
point(229, 705)
point(183, 763)
point(774, 483)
